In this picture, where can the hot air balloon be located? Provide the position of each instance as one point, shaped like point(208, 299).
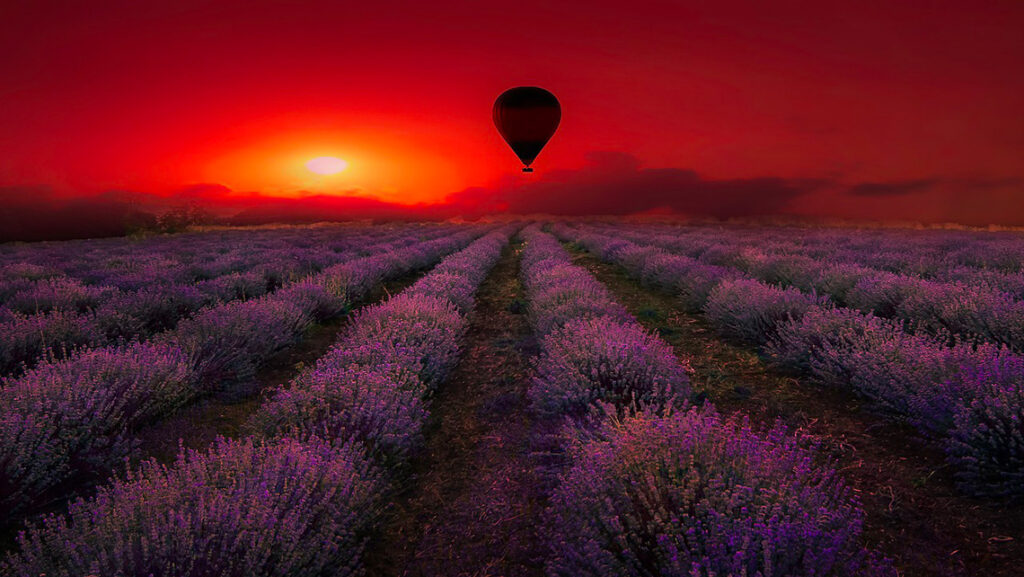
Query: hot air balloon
point(526, 117)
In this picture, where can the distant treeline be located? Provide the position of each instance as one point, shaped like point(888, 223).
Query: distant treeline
point(71, 219)
point(91, 218)
point(36, 214)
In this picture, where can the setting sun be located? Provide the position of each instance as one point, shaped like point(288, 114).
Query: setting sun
point(326, 165)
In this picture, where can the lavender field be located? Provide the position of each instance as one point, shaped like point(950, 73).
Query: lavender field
point(537, 398)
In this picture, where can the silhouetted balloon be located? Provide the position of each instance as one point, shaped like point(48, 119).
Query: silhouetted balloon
point(526, 117)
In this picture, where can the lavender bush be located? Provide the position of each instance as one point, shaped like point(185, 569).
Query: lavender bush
point(379, 407)
point(152, 293)
point(986, 443)
point(219, 347)
point(71, 419)
point(838, 280)
point(913, 367)
point(241, 508)
point(58, 294)
point(691, 494)
point(428, 326)
point(889, 282)
point(750, 311)
point(24, 339)
point(911, 376)
point(456, 288)
point(227, 343)
point(690, 279)
point(210, 512)
point(371, 388)
point(590, 362)
point(560, 291)
point(147, 311)
point(573, 298)
point(234, 286)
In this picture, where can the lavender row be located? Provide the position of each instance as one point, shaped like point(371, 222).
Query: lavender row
point(595, 356)
point(955, 308)
point(24, 339)
point(249, 507)
point(216, 271)
point(653, 487)
point(373, 386)
point(305, 499)
point(928, 254)
point(968, 397)
point(63, 276)
point(129, 263)
point(75, 419)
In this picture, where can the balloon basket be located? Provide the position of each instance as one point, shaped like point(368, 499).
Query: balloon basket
point(527, 169)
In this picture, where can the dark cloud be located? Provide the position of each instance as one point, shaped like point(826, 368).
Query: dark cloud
point(982, 183)
point(32, 213)
point(333, 208)
point(613, 183)
point(38, 213)
point(898, 188)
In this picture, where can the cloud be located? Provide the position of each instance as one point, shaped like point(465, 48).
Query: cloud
point(38, 213)
point(983, 183)
point(610, 183)
point(320, 208)
point(31, 213)
point(905, 187)
point(898, 188)
point(613, 183)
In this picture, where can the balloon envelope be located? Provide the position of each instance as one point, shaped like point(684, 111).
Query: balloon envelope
point(526, 117)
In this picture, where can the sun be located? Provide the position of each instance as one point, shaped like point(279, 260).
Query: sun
point(326, 165)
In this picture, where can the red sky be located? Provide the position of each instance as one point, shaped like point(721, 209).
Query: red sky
point(861, 108)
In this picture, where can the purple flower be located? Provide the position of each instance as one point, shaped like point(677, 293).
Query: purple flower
point(27, 338)
point(75, 418)
point(242, 508)
point(986, 444)
point(589, 362)
point(691, 494)
point(751, 311)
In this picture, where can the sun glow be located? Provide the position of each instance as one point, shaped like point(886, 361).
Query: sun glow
point(392, 166)
point(326, 165)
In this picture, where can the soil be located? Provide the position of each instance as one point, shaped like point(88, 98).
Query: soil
point(197, 425)
point(913, 513)
point(471, 503)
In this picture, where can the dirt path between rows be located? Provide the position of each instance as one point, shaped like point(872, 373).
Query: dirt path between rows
point(472, 502)
point(913, 513)
point(197, 425)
